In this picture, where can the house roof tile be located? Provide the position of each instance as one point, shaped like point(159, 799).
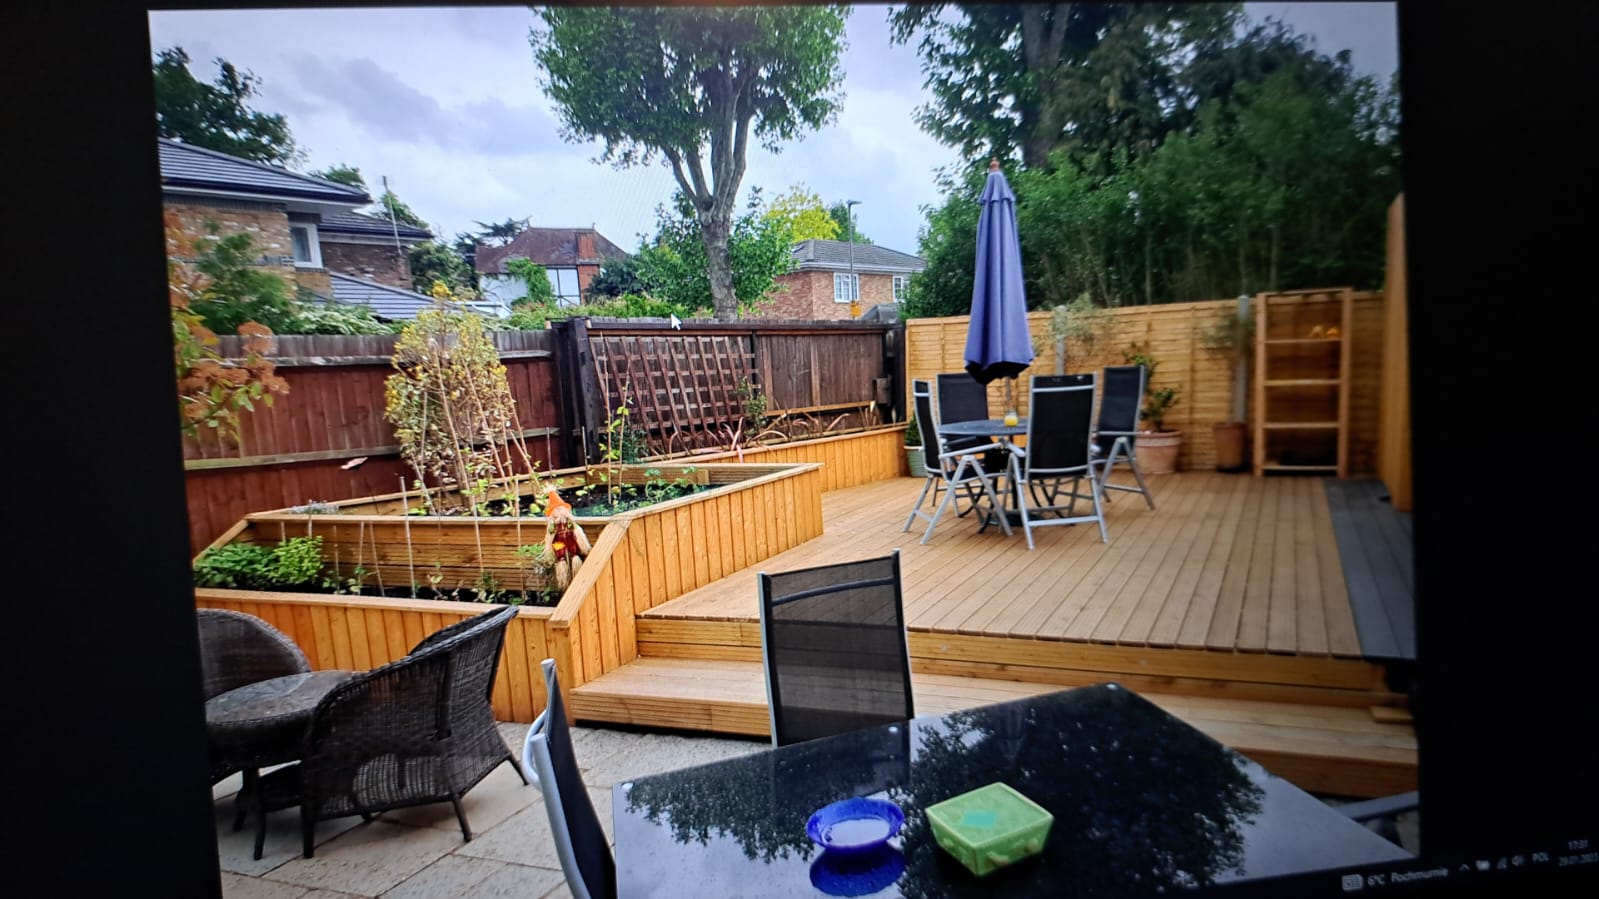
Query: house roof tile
point(547, 247)
point(183, 165)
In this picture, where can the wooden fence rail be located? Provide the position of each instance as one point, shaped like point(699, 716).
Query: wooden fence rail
point(327, 439)
point(687, 386)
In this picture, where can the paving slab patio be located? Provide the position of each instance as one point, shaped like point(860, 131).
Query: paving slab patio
point(418, 852)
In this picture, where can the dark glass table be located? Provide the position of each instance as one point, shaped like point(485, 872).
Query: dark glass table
point(1000, 432)
point(1143, 803)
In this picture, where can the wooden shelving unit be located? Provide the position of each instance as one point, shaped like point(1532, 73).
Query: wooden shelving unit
point(1302, 379)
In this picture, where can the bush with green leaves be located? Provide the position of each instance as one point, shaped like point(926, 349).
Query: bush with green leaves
point(296, 562)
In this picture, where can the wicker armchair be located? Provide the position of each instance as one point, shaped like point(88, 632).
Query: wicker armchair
point(238, 649)
point(413, 732)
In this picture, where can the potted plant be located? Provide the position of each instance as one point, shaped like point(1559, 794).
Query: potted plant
point(913, 450)
point(1158, 446)
point(1233, 337)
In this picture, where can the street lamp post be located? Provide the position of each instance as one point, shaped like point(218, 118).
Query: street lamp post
point(854, 286)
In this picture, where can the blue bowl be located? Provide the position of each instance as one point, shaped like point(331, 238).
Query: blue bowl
point(855, 825)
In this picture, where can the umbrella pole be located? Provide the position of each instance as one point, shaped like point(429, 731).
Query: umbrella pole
point(1010, 401)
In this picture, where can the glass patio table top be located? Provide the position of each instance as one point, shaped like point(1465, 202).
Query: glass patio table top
point(1141, 802)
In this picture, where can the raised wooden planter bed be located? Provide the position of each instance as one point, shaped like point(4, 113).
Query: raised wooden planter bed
point(640, 559)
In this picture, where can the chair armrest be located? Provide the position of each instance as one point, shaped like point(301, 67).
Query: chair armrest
point(969, 451)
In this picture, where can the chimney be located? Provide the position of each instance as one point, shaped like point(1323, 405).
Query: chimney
point(585, 246)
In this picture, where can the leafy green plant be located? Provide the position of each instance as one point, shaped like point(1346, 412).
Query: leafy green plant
point(241, 565)
point(296, 562)
point(1157, 400)
point(754, 402)
point(1079, 322)
point(913, 434)
point(452, 409)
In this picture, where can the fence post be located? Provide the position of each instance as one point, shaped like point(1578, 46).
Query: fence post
point(894, 366)
point(578, 390)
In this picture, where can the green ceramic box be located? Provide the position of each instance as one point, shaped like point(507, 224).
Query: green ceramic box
point(990, 827)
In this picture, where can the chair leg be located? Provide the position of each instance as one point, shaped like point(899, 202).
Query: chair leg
point(1021, 501)
point(926, 484)
point(949, 494)
point(260, 829)
point(246, 784)
point(460, 815)
point(515, 763)
point(1132, 462)
point(1099, 507)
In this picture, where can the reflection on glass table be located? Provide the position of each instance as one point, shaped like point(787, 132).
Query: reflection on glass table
point(1142, 802)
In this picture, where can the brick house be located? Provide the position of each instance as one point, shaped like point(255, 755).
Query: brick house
point(571, 257)
point(370, 247)
point(303, 227)
point(819, 287)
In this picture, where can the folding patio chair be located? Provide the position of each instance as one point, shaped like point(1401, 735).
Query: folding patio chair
point(960, 398)
point(1116, 438)
point(834, 649)
point(548, 760)
point(953, 471)
point(1059, 430)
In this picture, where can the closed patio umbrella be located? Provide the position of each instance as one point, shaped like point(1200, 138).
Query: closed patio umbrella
point(998, 343)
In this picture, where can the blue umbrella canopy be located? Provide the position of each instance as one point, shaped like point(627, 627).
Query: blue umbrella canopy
point(998, 343)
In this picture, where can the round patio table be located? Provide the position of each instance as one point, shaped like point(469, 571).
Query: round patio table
point(263, 724)
point(1001, 432)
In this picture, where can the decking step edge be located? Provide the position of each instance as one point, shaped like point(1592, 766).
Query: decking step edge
point(1322, 749)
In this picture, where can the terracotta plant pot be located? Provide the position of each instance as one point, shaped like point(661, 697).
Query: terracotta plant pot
point(1230, 446)
point(1157, 451)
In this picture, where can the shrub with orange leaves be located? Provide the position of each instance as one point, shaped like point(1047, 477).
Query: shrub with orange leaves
point(213, 392)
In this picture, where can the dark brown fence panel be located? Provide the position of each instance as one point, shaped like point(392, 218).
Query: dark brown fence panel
point(297, 450)
point(684, 383)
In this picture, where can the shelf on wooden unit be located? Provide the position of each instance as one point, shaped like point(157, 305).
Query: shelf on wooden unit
point(1277, 341)
point(1300, 425)
point(1303, 382)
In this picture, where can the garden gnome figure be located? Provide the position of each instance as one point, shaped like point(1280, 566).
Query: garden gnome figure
point(565, 544)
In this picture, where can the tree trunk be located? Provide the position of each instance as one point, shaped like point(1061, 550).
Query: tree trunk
point(716, 229)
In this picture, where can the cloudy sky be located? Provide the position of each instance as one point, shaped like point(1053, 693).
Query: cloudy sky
point(446, 103)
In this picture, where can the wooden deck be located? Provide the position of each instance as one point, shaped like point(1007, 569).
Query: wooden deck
point(1227, 604)
point(1225, 562)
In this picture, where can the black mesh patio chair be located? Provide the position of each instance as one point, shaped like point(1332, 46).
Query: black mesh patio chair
point(959, 473)
point(236, 650)
point(961, 398)
point(547, 759)
point(1116, 437)
point(1059, 429)
point(834, 647)
point(416, 731)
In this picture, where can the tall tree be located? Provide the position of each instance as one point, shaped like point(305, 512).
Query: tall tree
point(216, 116)
point(498, 233)
point(802, 213)
point(674, 264)
point(839, 213)
point(1033, 77)
point(343, 173)
point(691, 84)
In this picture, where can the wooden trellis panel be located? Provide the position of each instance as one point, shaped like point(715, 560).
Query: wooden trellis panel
point(681, 388)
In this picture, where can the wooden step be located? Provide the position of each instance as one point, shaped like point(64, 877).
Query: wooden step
point(1320, 748)
point(1271, 677)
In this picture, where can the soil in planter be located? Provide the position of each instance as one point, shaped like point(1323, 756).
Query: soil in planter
point(595, 501)
point(500, 597)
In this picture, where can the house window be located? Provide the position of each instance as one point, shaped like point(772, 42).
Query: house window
point(563, 283)
point(842, 284)
point(902, 286)
point(307, 251)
